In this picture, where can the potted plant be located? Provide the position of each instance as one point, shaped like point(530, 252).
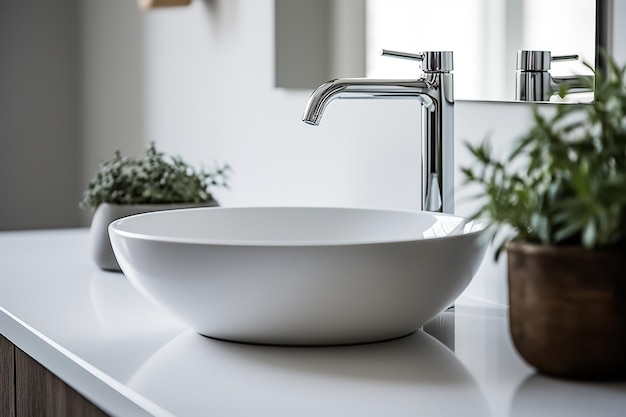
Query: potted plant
point(126, 185)
point(558, 202)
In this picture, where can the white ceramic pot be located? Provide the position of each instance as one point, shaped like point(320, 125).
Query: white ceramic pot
point(101, 250)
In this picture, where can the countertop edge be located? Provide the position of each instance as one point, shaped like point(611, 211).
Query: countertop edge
point(109, 395)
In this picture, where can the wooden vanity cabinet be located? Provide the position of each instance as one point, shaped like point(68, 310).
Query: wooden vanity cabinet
point(27, 389)
point(7, 378)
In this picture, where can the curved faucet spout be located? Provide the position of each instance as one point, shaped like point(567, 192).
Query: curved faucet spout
point(359, 88)
point(434, 90)
point(574, 83)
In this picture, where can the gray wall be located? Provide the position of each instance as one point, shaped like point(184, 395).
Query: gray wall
point(40, 150)
point(72, 83)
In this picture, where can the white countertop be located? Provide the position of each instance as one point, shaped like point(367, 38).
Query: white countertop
point(131, 358)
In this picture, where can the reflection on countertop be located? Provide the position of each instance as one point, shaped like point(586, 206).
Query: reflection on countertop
point(402, 376)
point(543, 396)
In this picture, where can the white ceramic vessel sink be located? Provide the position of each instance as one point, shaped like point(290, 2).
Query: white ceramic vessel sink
point(299, 276)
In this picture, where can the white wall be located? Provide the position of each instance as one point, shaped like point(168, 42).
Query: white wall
point(211, 95)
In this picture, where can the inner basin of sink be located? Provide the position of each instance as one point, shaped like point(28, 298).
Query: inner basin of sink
point(300, 275)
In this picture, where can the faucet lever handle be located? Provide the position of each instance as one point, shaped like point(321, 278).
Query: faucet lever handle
point(539, 60)
point(573, 57)
point(402, 55)
point(432, 61)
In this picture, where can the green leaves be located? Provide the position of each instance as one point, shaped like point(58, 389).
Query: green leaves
point(571, 187)
point(151, 179)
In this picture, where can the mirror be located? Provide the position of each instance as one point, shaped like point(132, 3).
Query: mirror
point(324, 39)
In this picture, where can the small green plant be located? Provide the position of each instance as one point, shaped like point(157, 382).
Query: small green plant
point(564, 183)
point(151, 179)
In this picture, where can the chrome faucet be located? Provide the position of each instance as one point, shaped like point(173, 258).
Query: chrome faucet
point(434, 89)
point(533, 82)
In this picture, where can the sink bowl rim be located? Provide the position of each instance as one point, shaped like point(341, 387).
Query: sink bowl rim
point(466, 227)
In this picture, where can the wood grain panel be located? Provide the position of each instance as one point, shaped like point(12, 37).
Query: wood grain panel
point(41, 393)
point(7, 378)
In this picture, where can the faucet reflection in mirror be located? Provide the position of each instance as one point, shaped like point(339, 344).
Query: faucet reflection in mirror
point(534, 82)
point(434, 89)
